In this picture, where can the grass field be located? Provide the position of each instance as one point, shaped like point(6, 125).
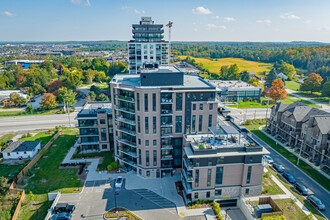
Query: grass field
point(292, 85)
point(290, 99)
point(316, 96)
point(107, 158)
point(43, 136)
point(48, 177)
point(269, 187)
point(10, 171)
point(23, 113)
point(5, 138)
point(214, 65)
point(290, 209)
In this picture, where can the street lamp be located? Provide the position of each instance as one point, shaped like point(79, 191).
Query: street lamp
point(115, 201)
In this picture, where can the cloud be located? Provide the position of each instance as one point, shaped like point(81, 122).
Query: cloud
point(308, 21)
point(214, 26)
point(201, 11)
point(130, 9)
point(139, 12)
point(217, 17)
point(229, 19)
point(83, 2)
point(289, 15)
point(195, 29)
point(327, 28)
point(266, 21)
point(8, 14)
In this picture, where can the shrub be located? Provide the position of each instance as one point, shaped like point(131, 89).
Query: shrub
point(28, 135)
point(109, 167)
point(24, 136)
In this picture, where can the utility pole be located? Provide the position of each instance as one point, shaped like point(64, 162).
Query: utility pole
point(299, 155)
point(68, 109)
point(267, 111)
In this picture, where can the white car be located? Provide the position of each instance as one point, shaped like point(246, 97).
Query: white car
point(119, 182)
point(268, 159)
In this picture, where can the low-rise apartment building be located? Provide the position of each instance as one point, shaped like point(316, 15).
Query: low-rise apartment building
point(303, 127)
point(152, 112)
point(95, 127)
point(221, 165)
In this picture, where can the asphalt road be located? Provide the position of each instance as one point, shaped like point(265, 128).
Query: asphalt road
point(300, 176)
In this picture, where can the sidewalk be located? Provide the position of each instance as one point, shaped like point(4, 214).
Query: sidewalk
point(324, 107)
point(317, 168)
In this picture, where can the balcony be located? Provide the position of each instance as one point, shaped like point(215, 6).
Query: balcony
point(188, 176)
point(188, 164)
point(166, 135)
point(125, 98)
point(167, 147)
point(127, 131)
point(166, 101)
point(127, 142)
point(125, 109)
point(125, 120)
point(129, 153)
point(166, 112)
point(167, 157)
point(127, 161)
point(187, 186)
point(166, 124)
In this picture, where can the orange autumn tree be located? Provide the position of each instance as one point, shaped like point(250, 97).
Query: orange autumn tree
point(49, 101)
point(277, 91)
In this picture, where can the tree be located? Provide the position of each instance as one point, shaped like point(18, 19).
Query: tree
point(31, 195)
point(270, 78)
point(256, 82)
point(287, 69)
point(4, 186)
point(54, 86)
point(326, 88)
point(115, 68)
point(92, 96)
point(37, 89)
point(229, 72)
point(277, 91)
point(312, 83)
point(245, 76)
point(29, 108)
point(102, 97)
point(17, 99)
point(49, 101)
point(66, 95)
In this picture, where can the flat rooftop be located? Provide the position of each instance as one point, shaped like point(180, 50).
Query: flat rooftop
point(91, 109)
point(231, 84)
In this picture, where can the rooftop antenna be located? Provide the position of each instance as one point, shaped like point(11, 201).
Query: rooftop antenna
point(169, 25)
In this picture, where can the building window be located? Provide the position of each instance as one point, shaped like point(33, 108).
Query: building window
point(178, 124)
point(211, 106)
point(209, 173)
point(220, 160)
point(147, 143)
point(139, 124)
point(193, 126)
point(196, 195)
point(154, 124)
point(103, 134)
point(201, 107)
point(102, 121)
point(140, 156)
point(196, 178)
point(147, 158)
point(178, 102)
point(219, 175)
point(140, 171)
point(155, 142)
point(194, 107)
point(210, 120)
point(218, 192)
point(138, 101)
point(197, 162)
point(208, 194)
point(104, 146)
point(148, 173)
point(146, 125)
point(247, 191)
point(146, 102)
point(155, 158)
point(154, 102)
point(200, 123)
point(248, 177)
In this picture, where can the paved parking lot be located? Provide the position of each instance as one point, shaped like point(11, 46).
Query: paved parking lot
point(98, 197)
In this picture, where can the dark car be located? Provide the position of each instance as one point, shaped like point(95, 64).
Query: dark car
point(62, 216)
point(289, 177)
point(316, 202)
point(9, 141)
point(32, 100)
point(229, 118)
point(70, 208)
point(301, 189)
point(279, 168)
point(64, 207)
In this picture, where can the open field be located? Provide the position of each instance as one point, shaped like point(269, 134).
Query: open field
point(263, 104)
point(46, 177)
point(43, 136)
point(292, 85)
point(10, 171)
point(214, 65)
point(316, 96)
point(269, 187)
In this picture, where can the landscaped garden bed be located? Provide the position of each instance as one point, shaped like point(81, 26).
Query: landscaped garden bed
point(121, 213)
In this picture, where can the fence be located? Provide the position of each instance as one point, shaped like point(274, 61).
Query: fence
point(50, 210)
point(33, 161)
point(268, 200)
point(19, 204)
point(245, 209)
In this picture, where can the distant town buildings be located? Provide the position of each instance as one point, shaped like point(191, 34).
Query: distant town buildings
point(25, 64)
point(236, 90)
point(303, 127)
point(5, 94)
point(95, 127)
point(21, 150)
point(148, 50)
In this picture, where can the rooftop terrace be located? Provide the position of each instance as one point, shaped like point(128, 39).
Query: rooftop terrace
point(91, 109)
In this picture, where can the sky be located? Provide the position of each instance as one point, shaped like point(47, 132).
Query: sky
point(194, 20)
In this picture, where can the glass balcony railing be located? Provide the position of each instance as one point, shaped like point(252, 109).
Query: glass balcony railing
point(125, 109)
point(126, 130)
point(166, 112)
point(127, 142)
point(129, 153)
point(126, 120)
point(127, 161)
point(189, 177)
point(167, 157)
point(167, 100)
point(125, 98)
point(188, 164)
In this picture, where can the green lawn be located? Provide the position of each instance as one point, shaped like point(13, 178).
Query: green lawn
point(290, 210)
point(214, 65)
point(263, 104)
point(23, 113)
point(297, 195)
point(269, 187)
point(107, 158)
point(10, 171)
point(43, 136)
point(322, 180)
point(316, 96)
point(5, 138)
point(48, 177)
point(292, 85)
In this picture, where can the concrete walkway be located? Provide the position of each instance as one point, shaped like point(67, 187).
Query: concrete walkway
point(317, 168)
point(324, 106)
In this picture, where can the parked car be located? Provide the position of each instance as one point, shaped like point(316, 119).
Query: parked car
point(62, 216)
point(9, 142)
point(32, 100)
point(301, 189)
point(316, 202)
point(268, 159)
point(119, 182)
point(289, 177)
point(70, 208)
point(229, 118)
point(279, 168)
point(64, 207)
